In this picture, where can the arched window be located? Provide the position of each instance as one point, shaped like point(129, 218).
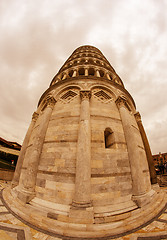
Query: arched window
point(70, 73)
point(91, 72)
point(108, 138)
point(101, 73)
point(90, 61)
point(110, 77)
point(81, 71)
point(82, 60)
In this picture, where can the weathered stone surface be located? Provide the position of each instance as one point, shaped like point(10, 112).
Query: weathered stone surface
point(84, 163)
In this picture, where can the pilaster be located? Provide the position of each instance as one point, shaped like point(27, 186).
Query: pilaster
point(26, 187)
point(17, 172)
point(139, 187)
point(147, 148)
point(82, 198)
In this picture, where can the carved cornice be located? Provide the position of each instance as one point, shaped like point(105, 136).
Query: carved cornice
point(35, 116)
point(86, 94)
point(50, 102)
point(137, 117)
point(121, 102)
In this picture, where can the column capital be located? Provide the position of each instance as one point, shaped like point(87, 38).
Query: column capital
point(50, 102)
point(121, 102)
point(35, 116)
point(85, 94)
point(137, 117)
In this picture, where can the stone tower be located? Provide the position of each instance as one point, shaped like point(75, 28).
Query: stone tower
point(85, 168)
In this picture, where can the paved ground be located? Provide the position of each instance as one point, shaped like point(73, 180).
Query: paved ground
point(13, 229)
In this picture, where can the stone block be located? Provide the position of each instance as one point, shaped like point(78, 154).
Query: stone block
point(97, 164)
point(81, 216)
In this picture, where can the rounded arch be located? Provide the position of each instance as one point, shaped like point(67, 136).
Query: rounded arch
point(65, 89)
point(82, 60)
point(101, 72)
point(91, 72)
point(106, 89)
point(70, 73)
point(90, 61)
point(81, 71)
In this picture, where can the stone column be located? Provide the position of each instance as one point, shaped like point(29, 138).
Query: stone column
point(86, 72)
point(97, 73)
point(138, 184)
point(26, 188)
point(17, 172)
point(153, 175)
point(74, 73)
point(82, 196)
point(108, 76)
point(64, 76)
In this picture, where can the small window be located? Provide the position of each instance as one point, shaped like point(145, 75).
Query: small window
point(110, 77)
point(90, 61)
point(109, 138)
point(81, 71)
point(70, 73)
point(82, 60)
point(101, 73)
point(91, 72)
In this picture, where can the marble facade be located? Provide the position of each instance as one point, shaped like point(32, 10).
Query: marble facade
point(85, 167)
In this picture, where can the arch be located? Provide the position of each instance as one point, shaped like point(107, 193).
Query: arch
point(81, 71)
point(71, 73)
point(101, 73)
point(82, 60)
point(96, 88)
point(66, 89)
point(63, 76)
point(109, 138)
point(110, 76)
point(90, 61)
point(91, 71)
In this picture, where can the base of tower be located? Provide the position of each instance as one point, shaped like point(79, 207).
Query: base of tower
point(96, 227)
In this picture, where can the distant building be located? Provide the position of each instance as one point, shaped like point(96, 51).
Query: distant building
point(9, 151)
point(158, 158)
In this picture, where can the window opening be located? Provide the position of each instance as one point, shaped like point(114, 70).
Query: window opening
point(81, 71)
point(91, 72)
point(108, 138)
point(68, 95)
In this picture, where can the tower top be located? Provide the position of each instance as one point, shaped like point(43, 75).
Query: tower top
point(84, 64)
point(87, 61)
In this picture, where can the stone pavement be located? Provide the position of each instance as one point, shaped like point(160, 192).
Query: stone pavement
point(11, 228)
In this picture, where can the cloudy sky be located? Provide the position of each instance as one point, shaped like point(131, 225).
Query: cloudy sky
point(37, 36)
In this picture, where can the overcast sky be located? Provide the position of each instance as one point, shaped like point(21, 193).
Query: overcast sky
point(37, 36)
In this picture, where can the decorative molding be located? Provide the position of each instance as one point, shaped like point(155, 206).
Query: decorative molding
point(35, 116)
point(137, 117)
point(85, 94)
point(50, 101)
point(102, 96)
point(122, 102)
